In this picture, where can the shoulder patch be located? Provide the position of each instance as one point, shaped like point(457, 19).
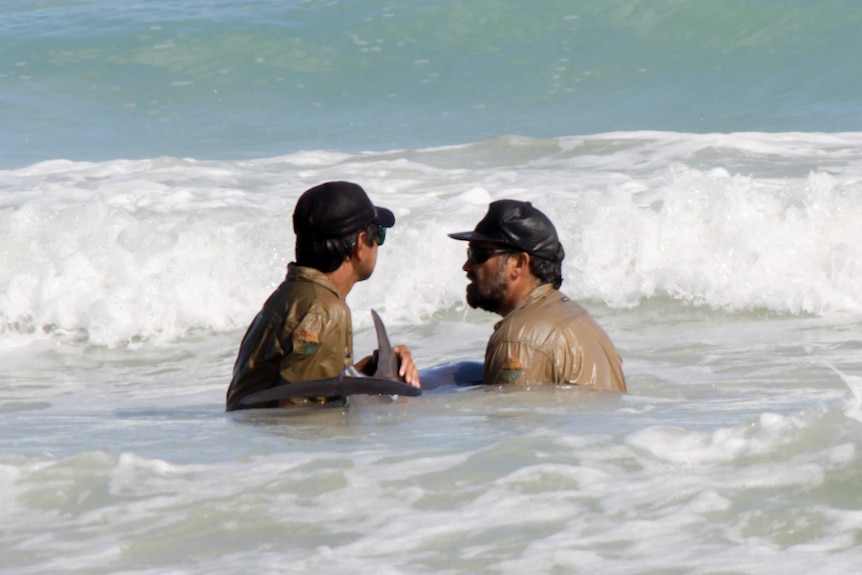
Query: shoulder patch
point(511, 370)
point(305, 342)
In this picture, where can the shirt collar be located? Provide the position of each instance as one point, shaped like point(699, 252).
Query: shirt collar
point(306, 274)
point(538, 293)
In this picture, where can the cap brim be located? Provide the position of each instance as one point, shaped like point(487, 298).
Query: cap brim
point(474, 237)
point(383, 217)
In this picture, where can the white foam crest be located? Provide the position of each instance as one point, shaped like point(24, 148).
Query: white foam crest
point(128, 250)
point(771, 433)
point(122, 251)
point(853, 401)
point(731, 242)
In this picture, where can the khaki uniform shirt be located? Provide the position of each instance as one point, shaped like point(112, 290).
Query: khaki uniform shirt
point(303, 332)
point(549, 338)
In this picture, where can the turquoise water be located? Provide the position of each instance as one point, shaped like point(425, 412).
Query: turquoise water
point(100, 80)
point(702, 162)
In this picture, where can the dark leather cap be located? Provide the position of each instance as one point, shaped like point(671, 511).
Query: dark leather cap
point(517, 225)
point(336, 209)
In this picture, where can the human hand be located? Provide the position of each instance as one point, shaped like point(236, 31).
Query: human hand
point(368, 364)
point(406, 368)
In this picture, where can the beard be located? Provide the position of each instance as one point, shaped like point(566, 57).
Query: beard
point(490, 295)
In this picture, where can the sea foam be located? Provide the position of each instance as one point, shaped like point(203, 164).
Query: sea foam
point(121, 251)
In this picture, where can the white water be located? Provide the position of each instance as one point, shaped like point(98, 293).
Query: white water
point(125, 250)
point(726, 268)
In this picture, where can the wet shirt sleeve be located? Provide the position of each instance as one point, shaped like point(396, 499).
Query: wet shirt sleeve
point(315, 348)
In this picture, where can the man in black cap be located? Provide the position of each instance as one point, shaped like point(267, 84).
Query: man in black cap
point(304, 330)
point(514, 264)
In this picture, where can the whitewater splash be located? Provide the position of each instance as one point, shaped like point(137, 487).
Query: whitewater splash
point(117, 252)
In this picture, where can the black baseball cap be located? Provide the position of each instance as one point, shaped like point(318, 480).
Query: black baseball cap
point(336, 209)
point(517, 225)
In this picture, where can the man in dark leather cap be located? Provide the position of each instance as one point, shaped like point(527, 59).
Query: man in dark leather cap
point(514, 263)
point(304, 330)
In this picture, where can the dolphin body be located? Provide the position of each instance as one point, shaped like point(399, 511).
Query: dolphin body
point(451, 376)
point(350, 381)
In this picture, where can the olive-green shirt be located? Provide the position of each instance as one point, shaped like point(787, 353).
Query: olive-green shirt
point(549, 338)
point(303, 332)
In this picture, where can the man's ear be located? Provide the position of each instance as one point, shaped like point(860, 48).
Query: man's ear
point(520, 264)
point(360, 242)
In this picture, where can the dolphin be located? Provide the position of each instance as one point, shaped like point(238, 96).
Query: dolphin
point(452, 375)
point(384, 381)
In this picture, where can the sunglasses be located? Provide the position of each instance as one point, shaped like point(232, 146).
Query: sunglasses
point(379, 235)
point(478, 256)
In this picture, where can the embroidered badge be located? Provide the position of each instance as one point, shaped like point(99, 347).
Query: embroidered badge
point(511, 370)
point(305, 342)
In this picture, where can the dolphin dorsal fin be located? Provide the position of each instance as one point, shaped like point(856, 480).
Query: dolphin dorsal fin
point(387, 362)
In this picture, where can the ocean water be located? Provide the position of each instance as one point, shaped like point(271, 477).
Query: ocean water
point(702, 162)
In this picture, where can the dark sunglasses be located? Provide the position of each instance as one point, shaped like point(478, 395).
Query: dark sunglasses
point(379, 235)
point(478, 256)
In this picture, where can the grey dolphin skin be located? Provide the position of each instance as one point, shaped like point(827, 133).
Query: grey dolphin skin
point(385, 380)
point(448, 376)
